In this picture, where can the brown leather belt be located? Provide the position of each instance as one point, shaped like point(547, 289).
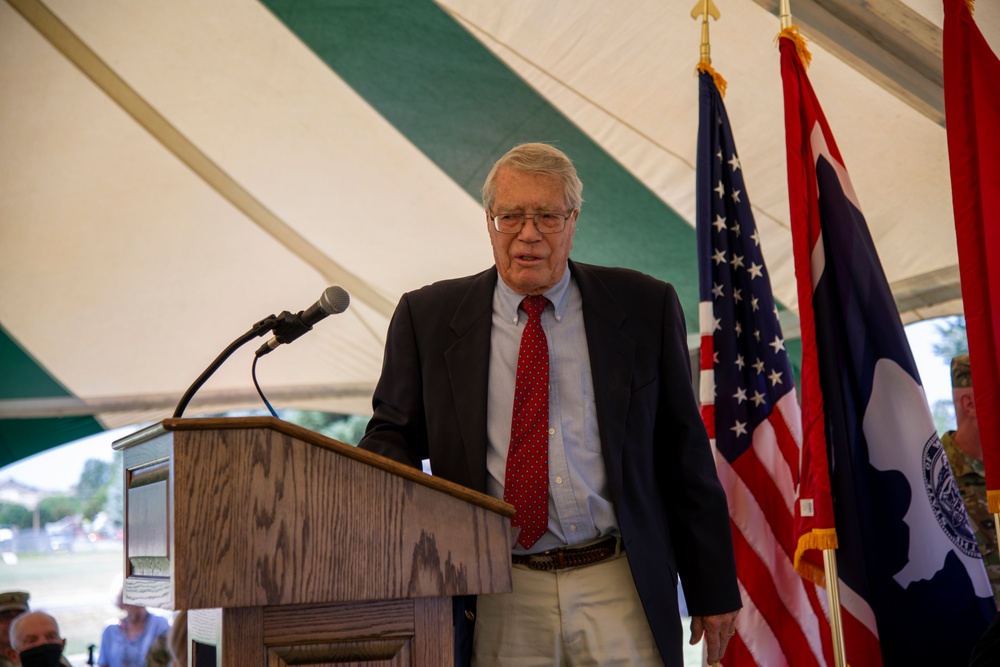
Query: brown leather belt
point(564, 557)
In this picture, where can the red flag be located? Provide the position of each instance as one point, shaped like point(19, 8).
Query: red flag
point(972, 114)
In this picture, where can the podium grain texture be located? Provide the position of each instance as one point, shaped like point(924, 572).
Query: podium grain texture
point(315, 551)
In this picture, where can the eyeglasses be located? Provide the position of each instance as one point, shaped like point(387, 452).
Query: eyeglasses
point(546, 223)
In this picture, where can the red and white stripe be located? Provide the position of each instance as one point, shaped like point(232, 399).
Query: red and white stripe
point(783, 619)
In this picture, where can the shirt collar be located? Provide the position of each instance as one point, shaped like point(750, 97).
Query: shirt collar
point(509, 300)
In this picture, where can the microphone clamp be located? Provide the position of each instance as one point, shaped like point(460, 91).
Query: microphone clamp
point(286, 328)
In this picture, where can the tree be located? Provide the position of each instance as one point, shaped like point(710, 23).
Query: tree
point(114, 503)
point(953, 342)
point(12, 514)
point(944, 415)
point(348, 429)
point(57, 507)
point(345, 428)
point(92, 489)
point(953, 339)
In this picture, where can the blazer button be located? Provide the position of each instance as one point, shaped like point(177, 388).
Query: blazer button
point(469, 615)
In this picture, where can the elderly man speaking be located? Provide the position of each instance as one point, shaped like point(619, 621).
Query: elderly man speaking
point(564, 389)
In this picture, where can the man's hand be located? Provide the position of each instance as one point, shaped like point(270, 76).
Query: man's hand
point(717, 631)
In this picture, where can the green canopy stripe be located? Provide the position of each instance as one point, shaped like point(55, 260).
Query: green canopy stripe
point(22, 377)
point(463, 108)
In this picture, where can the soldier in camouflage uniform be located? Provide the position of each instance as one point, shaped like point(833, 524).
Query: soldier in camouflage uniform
point(965, 455)
point(12, 605)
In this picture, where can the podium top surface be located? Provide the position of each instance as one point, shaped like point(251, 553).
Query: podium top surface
point(318, 440)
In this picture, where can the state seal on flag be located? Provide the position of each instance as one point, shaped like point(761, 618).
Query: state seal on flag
point(945, 499)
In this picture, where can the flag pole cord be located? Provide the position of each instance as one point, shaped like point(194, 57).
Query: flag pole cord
point(833, 595)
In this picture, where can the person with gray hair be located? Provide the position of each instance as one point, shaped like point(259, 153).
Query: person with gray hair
point(35, 641)
point(564, 389)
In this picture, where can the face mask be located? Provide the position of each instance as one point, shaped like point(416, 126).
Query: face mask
point(46, 655)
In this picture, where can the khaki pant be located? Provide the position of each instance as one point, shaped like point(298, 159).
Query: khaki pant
point(578, 617)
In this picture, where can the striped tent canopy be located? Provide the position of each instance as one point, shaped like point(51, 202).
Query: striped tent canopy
point(174, 171)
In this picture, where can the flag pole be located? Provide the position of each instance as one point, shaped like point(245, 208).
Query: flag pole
point(704, 9)
point(833, 593)
point(829, 555)
point(785, 14)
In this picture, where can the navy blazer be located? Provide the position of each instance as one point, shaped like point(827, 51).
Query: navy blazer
point(430, 402)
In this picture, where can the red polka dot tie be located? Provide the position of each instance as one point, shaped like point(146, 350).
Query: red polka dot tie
point(526, 485)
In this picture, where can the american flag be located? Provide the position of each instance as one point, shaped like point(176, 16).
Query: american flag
point(750, 410)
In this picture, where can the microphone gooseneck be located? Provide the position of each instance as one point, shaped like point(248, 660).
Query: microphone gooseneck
point(286, 327)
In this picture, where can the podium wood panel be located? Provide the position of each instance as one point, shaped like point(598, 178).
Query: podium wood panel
point(228, 513)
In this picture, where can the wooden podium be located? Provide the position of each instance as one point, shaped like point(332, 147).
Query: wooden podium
point(290, 548)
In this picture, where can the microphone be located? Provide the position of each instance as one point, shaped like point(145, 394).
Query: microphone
point(286, 328)
point(334, 300)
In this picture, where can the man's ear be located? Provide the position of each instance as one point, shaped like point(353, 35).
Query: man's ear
point(968, 404)
point(13, 656)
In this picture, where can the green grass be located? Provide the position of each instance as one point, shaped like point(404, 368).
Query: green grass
point(77, 588)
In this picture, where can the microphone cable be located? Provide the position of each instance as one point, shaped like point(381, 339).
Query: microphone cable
point(260, 392)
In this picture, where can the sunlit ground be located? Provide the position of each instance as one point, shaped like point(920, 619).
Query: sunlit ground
point(74, 586)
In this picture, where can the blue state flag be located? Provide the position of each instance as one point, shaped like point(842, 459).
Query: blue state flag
point(906, 550)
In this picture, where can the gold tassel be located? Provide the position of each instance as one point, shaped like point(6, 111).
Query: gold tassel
point(993, 500)
point(720, 83)
point(819, 539)
point(971, 6)
point(793, 34)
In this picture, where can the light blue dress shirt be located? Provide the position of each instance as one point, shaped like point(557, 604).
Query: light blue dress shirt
point(579, 508)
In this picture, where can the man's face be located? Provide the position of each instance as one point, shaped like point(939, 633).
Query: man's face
point(34, 630)
point(530, 262)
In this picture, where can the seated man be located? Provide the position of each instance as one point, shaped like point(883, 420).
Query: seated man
point(35, 640)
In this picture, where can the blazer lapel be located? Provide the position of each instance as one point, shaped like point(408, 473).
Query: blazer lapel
point(468, 364)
